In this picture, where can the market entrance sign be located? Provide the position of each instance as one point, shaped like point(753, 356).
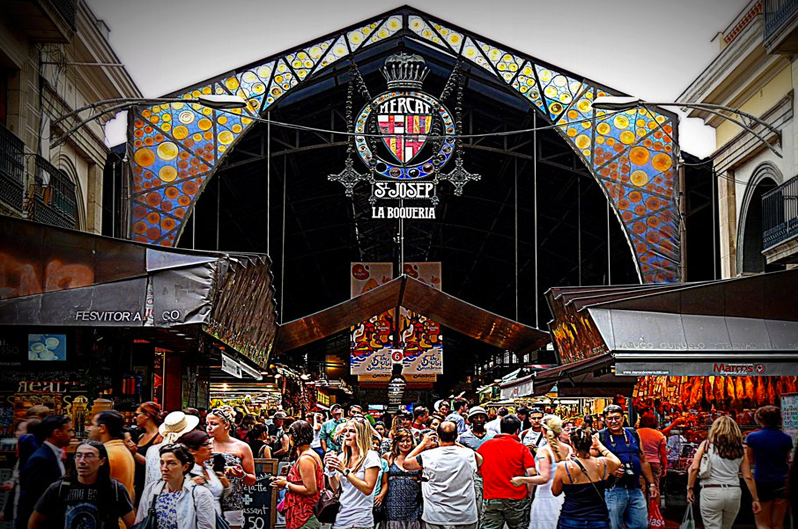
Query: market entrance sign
point(405, 137)
point(755, 369)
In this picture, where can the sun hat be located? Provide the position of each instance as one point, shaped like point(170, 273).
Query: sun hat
point(476, 410)
point(176, 424)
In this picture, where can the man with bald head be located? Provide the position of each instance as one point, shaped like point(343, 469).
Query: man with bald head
point(448, 486)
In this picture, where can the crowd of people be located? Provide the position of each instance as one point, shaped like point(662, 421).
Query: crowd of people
point(450, 467)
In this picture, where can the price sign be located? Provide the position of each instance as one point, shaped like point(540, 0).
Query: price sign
point(260, 498)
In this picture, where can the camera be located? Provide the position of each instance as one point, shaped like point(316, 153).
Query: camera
point(218, 463)
point(628, 470)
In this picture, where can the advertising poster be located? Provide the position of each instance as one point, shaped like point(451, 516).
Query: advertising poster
point(371, 339)
point(421, 337)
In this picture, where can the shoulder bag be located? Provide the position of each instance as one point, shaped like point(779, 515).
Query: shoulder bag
point(151, 520)
point(329, 503)
point(221, 522)
point(584, 471)
point(688, 522)
point(705, 465)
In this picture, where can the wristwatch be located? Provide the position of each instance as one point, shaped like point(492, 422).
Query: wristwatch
point(347, 472)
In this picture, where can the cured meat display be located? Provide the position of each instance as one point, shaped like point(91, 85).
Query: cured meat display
point(721, 393)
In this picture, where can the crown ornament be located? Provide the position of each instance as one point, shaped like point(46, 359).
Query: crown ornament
point(403, 71)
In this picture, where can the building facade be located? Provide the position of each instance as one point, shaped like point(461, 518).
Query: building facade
point(55, 58)
point(755, 71)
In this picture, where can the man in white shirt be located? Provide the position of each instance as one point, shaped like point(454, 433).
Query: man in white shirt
point(535, 436)
point(448, 479)
point(493, 426)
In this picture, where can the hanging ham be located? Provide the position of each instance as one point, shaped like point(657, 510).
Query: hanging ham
point(718, 392)
point(739, 391)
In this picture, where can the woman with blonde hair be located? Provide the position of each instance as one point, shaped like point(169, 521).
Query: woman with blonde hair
point(720, 492)
point(546, 506)
point(354, 473)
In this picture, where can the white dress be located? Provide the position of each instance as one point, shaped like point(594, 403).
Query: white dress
point(546, 506)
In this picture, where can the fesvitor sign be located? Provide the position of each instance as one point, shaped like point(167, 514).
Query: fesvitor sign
point(730, 368)
point(405, 137)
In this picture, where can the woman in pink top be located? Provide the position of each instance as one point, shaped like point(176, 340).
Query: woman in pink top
point(655, 446)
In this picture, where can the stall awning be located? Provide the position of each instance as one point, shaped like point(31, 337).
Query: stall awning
point(58, 277)
point(746, 325)
point(414, 295)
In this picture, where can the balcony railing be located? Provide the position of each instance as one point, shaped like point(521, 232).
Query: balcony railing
point(777, 13)
point(12, 168)
point(54, 204)
point(780, 214)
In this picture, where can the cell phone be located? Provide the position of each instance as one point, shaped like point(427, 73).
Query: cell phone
point(218, 463)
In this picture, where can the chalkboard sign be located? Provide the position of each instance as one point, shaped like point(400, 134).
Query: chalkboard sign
point(259, 499)
point(789, 415)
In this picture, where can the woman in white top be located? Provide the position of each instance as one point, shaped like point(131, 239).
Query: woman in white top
point(179, 502)
point(354, 471)
point(720, 492)
point(546, 506)
point(199, 444)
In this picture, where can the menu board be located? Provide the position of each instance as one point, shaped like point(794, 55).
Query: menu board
point(259, 499)
point(789, 415)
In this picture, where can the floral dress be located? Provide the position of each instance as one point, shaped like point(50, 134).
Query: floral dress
point(403, 499)
point(166, 509)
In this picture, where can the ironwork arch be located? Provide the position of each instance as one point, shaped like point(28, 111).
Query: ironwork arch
point(176, 147)
point(765, 177)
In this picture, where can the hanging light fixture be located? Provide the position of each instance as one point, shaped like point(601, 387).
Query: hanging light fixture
point(396, 388)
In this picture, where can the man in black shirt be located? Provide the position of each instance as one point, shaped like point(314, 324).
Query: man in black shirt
point(87, 498)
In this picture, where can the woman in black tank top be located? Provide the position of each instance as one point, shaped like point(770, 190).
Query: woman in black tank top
point(583, 481)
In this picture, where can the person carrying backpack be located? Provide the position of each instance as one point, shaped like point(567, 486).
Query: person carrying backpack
point(86, 496)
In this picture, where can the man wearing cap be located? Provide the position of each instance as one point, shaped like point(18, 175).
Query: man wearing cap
point(173, 426)
point(473, 439)
point(328, 429)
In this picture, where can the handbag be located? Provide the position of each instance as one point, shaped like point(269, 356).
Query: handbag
point(151, 520)
point(221, 521)
point(655, 518)
point(688, 522)
point(328, 505)
point(705, 465)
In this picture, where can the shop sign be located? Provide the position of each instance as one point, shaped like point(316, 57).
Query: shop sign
point(322, 398)
point(231, 367)
point(37, 386)
point(637, 369)
point(522, 389)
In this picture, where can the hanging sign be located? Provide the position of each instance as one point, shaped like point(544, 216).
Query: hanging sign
point(404, 137)
point(733, 368)
point(231, 367)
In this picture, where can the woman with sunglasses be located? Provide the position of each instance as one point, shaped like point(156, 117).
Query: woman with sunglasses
point(304, 481)
point(354, 473)
point(402, 505)
point(179, 502)
point(239, 463)
point(149, 417)
point(199, 444)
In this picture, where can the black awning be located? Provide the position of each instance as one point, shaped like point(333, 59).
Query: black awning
point(715, 327)
point(58, 277)
point(414, 295)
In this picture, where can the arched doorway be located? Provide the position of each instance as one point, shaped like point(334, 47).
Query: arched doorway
point(750, 259)
point(176, 148)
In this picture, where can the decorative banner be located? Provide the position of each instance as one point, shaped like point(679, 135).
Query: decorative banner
point(371, 340)
point(421, 337)
point(372, 343)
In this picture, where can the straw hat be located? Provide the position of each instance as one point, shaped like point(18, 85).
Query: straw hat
point(176, 424)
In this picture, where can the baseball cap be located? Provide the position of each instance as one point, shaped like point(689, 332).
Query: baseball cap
point(336, 407)
point(476, 410)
